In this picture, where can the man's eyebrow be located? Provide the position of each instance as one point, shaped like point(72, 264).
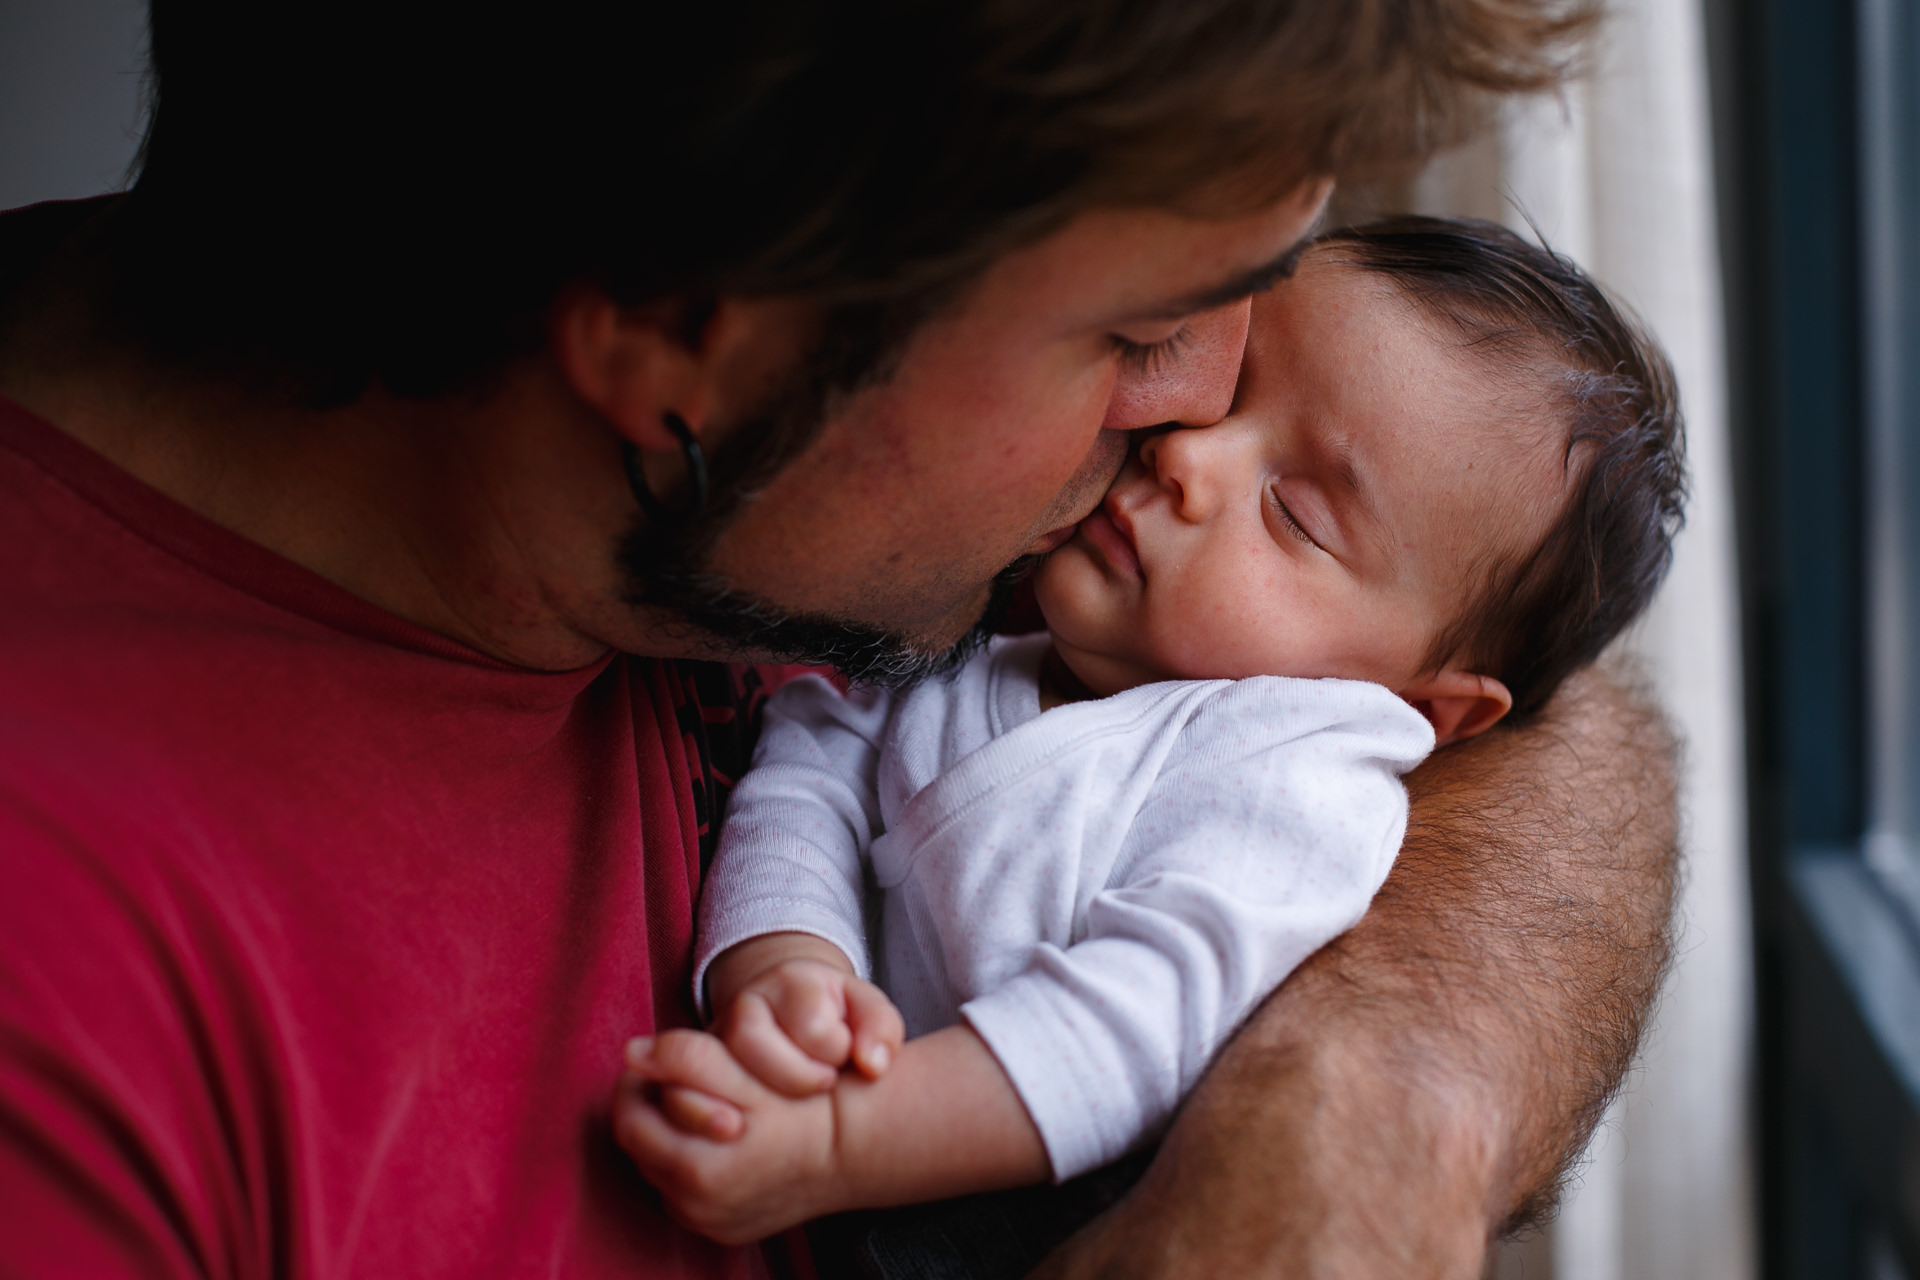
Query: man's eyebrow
point(1255, 280)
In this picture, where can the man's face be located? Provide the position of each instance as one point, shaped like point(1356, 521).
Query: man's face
point(1005, 419)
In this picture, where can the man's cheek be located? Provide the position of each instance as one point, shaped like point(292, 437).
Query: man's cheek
point(1090, 481)
point(1061, 443)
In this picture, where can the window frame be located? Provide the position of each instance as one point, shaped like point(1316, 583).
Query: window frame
point(1800, 129)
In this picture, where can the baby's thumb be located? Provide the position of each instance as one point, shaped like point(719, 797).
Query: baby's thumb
point(878, 1030)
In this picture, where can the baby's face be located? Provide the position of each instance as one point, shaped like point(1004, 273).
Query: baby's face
point(1336, 520)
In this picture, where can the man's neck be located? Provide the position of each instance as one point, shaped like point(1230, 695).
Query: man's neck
point(439, 511)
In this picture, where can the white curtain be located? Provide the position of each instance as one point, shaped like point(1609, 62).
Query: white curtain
point(1618, 174)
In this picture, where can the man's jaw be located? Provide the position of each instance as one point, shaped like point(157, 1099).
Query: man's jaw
point(668, 573)
point(745, 627)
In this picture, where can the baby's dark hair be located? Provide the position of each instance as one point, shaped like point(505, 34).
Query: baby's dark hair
point(1535, 619)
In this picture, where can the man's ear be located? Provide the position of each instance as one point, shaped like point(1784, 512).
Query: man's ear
point(1459, 704)
point(635, 364)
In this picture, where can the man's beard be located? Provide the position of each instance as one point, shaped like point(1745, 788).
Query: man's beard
point(669, 568)
point(865, 654)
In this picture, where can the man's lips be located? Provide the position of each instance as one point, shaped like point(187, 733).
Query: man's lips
point(1114, 543)
point(1052, 541)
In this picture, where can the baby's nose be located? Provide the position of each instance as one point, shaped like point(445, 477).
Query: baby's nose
point(1184, 461)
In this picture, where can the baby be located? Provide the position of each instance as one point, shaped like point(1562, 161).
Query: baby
point(1450, 476)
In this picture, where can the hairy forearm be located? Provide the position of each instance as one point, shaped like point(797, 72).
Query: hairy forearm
point(1423, 1080)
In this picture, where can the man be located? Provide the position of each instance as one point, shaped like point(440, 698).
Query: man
point(380, 468)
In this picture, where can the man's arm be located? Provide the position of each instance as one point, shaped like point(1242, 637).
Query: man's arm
point(1425, 1080)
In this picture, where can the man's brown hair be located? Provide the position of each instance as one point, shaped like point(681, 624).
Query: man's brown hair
point(1543, 323)
point(353, 193)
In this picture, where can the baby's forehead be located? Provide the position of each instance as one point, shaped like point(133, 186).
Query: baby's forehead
point(1457, 435)
point(1501, 372)
point(1520, 515)
point(1327, 297)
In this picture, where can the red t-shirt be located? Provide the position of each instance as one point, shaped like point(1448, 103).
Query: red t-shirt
point(320, 933)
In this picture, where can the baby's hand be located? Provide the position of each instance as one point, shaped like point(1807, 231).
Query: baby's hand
point(801, 1015)
point(772, 1163)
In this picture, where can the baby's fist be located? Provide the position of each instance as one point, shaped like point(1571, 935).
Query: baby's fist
point(798, 1022)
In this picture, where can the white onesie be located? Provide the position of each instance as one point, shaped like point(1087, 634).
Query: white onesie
point(1103, 892)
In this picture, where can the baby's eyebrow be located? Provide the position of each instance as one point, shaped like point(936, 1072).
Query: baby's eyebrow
point(1345, 471)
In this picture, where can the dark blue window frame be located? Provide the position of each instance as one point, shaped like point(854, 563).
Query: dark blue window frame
point(1837, 955)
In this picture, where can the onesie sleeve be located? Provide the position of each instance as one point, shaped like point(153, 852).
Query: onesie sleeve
point(1255, 846)
point(796, 827)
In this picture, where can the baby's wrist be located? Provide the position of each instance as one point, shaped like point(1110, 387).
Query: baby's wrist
point(736, 967)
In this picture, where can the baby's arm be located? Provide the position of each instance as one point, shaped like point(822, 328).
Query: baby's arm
point(943, 1121)
point(796, 829)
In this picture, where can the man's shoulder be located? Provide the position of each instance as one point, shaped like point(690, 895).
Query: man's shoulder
point(111, 1049)
point(92, 829)
point(111, 896)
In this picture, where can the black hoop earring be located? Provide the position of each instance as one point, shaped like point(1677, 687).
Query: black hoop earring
point(657, 511)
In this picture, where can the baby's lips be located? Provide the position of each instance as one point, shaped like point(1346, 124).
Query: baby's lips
point(1114, 542)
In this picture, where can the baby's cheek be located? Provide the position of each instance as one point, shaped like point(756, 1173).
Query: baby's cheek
point(1198, 645)
point(1233, 633)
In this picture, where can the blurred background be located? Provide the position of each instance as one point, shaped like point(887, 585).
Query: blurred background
point(1747, 176)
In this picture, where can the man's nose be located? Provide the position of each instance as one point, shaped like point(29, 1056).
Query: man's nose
point(1194, 387)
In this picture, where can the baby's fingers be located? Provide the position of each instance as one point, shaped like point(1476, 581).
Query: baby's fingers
point(701, 1114)
point(644, 1131)
point(878, 1030)
point(695, 1061)
point(676, 1162)
point(763, 1048)
point(808, 1001)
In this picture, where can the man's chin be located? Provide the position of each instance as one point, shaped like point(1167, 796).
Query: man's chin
point(750, 629)
point(727, 624)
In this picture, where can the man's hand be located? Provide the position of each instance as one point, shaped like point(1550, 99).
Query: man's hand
point(1424, 1080)
point(794, 1014)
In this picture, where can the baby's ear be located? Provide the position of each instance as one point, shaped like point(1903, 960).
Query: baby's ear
point(1459, 704)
